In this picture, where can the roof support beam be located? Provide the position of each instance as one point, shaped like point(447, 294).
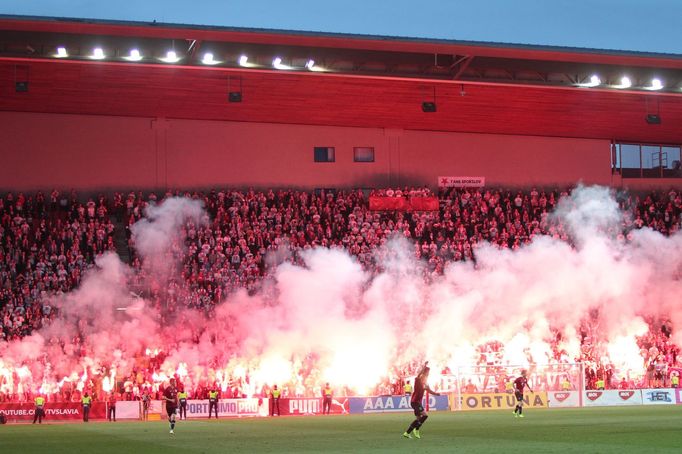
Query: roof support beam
point(461, 65)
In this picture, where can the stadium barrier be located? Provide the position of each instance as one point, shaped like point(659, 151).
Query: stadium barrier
point(301, 406)
point(496, 401)
point(662, 396)
point(563, 399)
point(678, 396)
point(612, 397)
point(228, 407)
point(55, 411)
point(127, 409)
point(393, 404)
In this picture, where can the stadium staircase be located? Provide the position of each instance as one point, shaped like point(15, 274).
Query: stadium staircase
point(121, 240)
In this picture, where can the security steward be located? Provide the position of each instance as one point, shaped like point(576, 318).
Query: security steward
point(86, 401)
point(274, 400)
point(327, 395)
point(213, 402)
point(40, 410)
point(407, 388)
point(182, 398)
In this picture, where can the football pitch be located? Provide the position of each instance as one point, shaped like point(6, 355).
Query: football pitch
point(605, 430)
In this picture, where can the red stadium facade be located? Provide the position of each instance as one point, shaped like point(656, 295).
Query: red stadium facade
point(516, 115)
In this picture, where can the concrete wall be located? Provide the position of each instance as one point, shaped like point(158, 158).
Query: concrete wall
point(96, 152)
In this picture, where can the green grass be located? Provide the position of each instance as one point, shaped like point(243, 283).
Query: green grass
point(608, 430)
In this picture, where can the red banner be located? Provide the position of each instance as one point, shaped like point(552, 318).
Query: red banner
point(424, 203)
point(312, 406)
point(54, 411)
point(377, 203)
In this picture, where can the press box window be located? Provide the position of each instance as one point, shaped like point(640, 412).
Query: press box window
point(363, 154)
point(324, 154)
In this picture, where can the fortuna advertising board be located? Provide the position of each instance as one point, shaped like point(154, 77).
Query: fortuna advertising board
point(498, 401)
point(612, 397)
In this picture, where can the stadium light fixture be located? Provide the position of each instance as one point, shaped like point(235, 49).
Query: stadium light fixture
point(594, 81)
point(243, 60)
point(133, 56)
point(61, 52)
point(310, 66)
point(98, 54)
point(277, 64)
point(171, 57)
point(208, 59)
point(656, 84)
point(625, 82)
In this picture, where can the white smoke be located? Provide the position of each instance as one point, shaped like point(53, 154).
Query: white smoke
point(352, 328)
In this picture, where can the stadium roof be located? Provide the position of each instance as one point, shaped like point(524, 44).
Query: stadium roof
point(356, 80)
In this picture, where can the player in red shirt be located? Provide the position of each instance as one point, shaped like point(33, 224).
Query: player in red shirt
point(519, 385)
point(420, 387)
point(170, 396)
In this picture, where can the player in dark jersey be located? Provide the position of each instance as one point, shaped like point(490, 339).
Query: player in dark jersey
point(519, 385)
point(170, 396)
point(420, 387)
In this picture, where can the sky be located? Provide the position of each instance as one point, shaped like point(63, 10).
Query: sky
point(631, 25)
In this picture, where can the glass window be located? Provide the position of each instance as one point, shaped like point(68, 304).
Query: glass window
point(672, 167)
point(363, 154)
point(671, 157)
point(651, 161)
point(324, 154)
point(630, 160)
point(647, 160)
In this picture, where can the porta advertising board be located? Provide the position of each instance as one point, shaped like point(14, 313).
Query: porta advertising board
point(678, 396)
point(563, 399)
point(612, 397)
point(228, 407)
point(312, 406)
point(393, 404)
point(500, 401)
point(54, 411)
point(663, 396)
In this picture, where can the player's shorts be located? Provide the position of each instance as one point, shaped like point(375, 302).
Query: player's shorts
point(519, 395)
point(171, 410)
point(417, 407)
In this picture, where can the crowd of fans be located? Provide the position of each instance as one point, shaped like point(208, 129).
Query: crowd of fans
point(45, 245)
point(48, 240)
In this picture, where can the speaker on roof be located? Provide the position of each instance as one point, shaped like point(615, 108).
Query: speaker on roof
point(653, 119)
point(429, 106)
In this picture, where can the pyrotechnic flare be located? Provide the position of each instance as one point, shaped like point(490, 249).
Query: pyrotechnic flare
point(320, 319)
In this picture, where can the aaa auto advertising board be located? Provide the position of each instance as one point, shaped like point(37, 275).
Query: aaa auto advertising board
point(612, 397)
point(54, 411)
point(392, 404)
point(563, 399)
